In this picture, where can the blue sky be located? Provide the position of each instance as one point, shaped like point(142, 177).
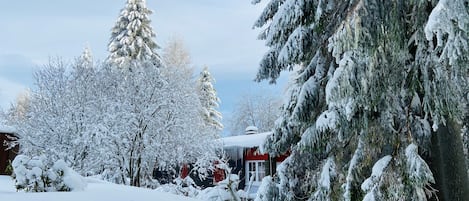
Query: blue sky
point(217, 33)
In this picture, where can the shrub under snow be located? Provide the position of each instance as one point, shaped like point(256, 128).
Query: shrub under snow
point(185, 187)
point(225, 190)
point(37, 175)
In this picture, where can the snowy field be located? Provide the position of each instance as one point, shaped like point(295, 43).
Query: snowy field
point(96, 190)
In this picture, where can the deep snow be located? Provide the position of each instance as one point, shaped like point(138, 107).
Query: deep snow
point(96, 190)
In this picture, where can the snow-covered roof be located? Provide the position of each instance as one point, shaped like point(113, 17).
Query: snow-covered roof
point(251, 128)
point(7, 129)
point(246, 141)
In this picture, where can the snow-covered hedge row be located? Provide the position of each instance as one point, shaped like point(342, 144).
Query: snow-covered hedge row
point(37, 175)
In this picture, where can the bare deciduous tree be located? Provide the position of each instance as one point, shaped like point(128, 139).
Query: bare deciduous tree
point(255, 109)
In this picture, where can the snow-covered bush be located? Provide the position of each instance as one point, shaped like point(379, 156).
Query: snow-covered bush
point(38, 175)
point(64, 178)
point(181, 186)
point(226, 189)
point(28, 173)
point(267, 190)
point(223, 191)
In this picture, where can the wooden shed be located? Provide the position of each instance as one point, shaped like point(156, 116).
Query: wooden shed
point(7, 155)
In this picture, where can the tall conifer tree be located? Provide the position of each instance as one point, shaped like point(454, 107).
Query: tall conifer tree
point(374, 81)
point(209, 99)
point(132, 37)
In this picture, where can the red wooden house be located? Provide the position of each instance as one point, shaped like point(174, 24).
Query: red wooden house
point(247, 160)
point(7, 155)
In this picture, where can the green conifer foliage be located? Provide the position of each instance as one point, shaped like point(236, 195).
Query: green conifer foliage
point(374, 79)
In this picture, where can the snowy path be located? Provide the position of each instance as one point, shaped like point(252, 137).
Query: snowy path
point(95, 191)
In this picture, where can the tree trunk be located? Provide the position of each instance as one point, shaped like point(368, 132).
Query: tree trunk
point(448, 163)
point(131, 170)
point(137, 175)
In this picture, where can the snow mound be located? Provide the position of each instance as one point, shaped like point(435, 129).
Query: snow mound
point(6, 129)
point(97, 190)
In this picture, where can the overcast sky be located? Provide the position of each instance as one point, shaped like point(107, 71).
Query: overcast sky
point(218, 33)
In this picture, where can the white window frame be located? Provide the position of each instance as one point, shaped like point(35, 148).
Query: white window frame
point(257, 180)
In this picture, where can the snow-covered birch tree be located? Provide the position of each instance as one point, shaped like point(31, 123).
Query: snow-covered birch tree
point(260, 109)
point(373, 81)
point(83, 99)
point(186, 108)
point(56, 116)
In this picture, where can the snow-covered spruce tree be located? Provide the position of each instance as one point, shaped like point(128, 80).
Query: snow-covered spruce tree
point(86, 59)
point(371, 77)
point(132, 37)
point(209, 99)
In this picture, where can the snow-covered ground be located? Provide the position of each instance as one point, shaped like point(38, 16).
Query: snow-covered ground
point(96, 190)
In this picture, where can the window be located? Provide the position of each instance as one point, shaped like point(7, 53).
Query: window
point(255, 171)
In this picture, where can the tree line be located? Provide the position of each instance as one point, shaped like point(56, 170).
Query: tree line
point(127, 117)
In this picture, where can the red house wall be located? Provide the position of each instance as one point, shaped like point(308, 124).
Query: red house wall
point(253, 154)
point(184, 171)
point(218, 174)
point(6, 155)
